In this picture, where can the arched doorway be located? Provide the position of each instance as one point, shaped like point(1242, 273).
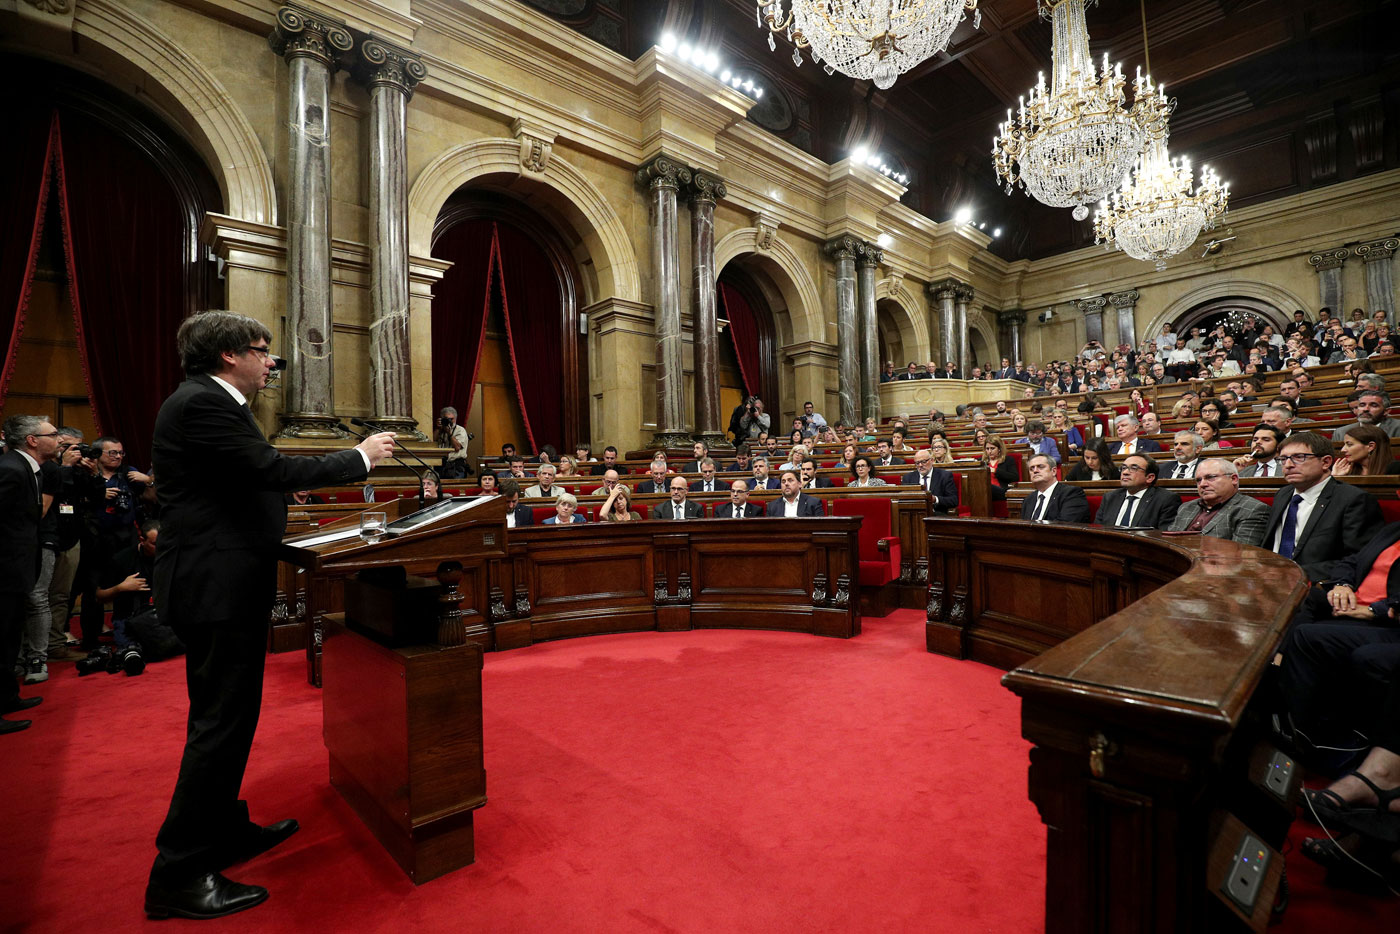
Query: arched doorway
point(507, 352)
point(1234, 311)
point(750, 341)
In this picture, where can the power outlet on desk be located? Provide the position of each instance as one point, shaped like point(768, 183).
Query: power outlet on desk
point(1247, 872)
point(1280, 775)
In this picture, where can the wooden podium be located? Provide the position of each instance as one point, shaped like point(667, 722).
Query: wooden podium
point(401, 668)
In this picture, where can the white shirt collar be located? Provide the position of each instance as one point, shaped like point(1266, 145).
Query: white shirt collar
point(229, 388)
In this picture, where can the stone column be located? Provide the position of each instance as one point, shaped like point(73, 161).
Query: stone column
point(1012, 322)
point(843, 250)
point(1093, 316)
point(310, 43)
point(1328, 264)
point(705, 190)
point(1380, 280)
point(961, 299)
point(390, 73)
point(1126, 303)
point(943, 293)
point(868, 257)
point(663, 177)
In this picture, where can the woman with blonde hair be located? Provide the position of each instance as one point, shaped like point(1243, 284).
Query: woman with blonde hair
point(1018, 422)
point(618, 507)
point(1365, 453)
point(568, 466)
point(942, 455)
point(1185, 407)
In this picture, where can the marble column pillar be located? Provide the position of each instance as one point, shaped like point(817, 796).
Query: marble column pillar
point(843, 251)
point(961, 299)
point(943, 293)
point(662, 178)
point(310, 43)
point(1012, 322)
point(1126, 303)
point(867, 258)
point(1379, 256)
point(705, 190)
point(390, 74)
point(1328, 264)
point(1093, 316)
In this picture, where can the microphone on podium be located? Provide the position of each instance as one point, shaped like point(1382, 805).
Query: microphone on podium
point(405, 464)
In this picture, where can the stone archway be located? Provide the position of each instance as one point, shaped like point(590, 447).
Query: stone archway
point(798, 314)
point(903, 320)
point(1275, 304)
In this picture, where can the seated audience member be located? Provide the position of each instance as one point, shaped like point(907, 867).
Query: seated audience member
point(1053, 501)
point(911, 372)
point(1037, 441)
point(1221, 510)
point(661, 456)
point(1185, 407)
point(1213, 410)
point(507, 452)
point(794, 458)
point(1082, 428)
point(1186, 455)
point(979, 440)
point(707, 482)
point(738, 506)
point(1095, 463)
point(568, 466)
point(516, 467)
point(829, 436)
point(863, 473)
point(770, 449)
point(701, 450)
point(1316, 520)
point(1002, 470)
point(547, 455)
point(1150, 424)
point(1127, 427)
point(430, 488)
point(848, 456)
point(1365, 452)
point(609, 462)
point(1280, 416)
point(1139, 406)
point(1262, 459)
point(1018, 422)
point(490, 484)
point(868, 432)
point(1210, 435)
point(883, 455)
point(935, 481)
point(583, 455)
point(1371, 408)
point(618, 506)
point(610, 481)
point(544, 488)
point(1138, 503)
point(808, 475)
point(657, 483)
point(761, 480)
point(794, 503)
point(897, 442)
point(516, 514)
point(566, 511)
point(979, 419)
point(303, 498)
point(741, 459)
point(678, 506)
point(942, 454)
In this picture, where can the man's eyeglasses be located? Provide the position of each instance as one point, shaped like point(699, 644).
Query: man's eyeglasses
point(1129, 468)
point(114, 453)
point(1294, 458)
point(262, 352)
point(1208, 476)
point(47, 434)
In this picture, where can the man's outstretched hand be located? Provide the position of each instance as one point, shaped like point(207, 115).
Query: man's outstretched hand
point(377, 447)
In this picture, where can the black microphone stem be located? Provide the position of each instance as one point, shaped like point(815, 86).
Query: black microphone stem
point(405, 464)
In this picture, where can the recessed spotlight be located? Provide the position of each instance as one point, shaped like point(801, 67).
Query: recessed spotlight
point(859, 153)
point(683, 50)
point(711, 61)
point(725, 75)
point(982, 226)
point(758, 92)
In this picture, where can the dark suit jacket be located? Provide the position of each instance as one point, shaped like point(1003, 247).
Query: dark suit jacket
point(772, 484)
point(942, 486)
point(1156, 509)
point(554, 520)
point(726, 510)
point(1067, 504)
point(807, 507)
point(1145, 445)
point(599, 469)
point(1342, 521)
point(821, 483)
point(524, 515)
point(222, 514)
point(691, 467)
point(721, 486)
point(667, 511)
point(1353, 568)
point(649, 486)
point(893, 461)
point(20, 514)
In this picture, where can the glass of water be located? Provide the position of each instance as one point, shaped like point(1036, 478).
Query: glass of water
point(373, 525)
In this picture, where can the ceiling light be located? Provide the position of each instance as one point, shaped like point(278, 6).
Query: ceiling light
point(859, 153)
point(996, 232)
point(725, 75)
point(963, 216)
point(758, 92)
point(668, 42)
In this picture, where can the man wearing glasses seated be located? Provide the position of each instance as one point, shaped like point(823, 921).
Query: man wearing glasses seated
point(1138, 503)
point(1222, 511)
point(1317, 520)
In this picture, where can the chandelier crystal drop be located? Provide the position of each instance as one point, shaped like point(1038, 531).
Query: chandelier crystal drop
point(877, 40)
point(1072, 143)
point(1156, 214)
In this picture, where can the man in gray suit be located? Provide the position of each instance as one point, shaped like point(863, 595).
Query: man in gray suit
point(678, 507)
point(1222, 511)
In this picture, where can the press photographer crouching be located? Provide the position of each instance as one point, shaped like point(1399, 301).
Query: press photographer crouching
point(138, 636)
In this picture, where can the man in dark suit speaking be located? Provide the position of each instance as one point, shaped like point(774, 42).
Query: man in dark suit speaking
point(223, 515)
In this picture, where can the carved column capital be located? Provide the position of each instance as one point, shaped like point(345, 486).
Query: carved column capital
point(376, 63)
point(302, 32)
point(844, 247)
point(868, 256)
point(1015, 317)
point(705, 187)
point(663, 172)
point(1376, 250)
point(1125, 299)
point(536, 145)
point(1329, 259)
point(963, 294)
point(1091, 306)
point(945, 289)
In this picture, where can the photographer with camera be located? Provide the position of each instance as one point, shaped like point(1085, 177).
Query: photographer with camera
point(109, 525)
point(126, 581)
point(454, 436)
point(754, 421)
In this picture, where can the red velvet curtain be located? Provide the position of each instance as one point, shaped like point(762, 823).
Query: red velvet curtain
point(534, 330)
point(123, 227)
point(24, 185)
point(743, 330)
point(461, 303)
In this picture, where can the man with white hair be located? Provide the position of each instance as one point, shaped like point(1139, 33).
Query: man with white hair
point(1127, 428)
point(1221, 510)
point(544, 489)
point(657, 483)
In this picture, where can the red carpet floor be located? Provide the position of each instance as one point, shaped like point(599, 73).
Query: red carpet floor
point(701, 781)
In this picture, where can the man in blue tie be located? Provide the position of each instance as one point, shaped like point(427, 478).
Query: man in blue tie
point(1317, 520)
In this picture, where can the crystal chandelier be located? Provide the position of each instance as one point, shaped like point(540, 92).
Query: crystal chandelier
point(875, 39)
point(1074, 142)
point(1156, 215)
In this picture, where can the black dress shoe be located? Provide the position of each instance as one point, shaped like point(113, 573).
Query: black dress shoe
point(21, 703)
point(208, 896)
point(12, 726)
point(260, 841)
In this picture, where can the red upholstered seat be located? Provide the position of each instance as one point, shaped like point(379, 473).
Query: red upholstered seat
point(963, 508)
point(879, 546)
point(1020, 467)
point(1095, 500)
point(326, 519)
point(999, 510)
point(641, 509)
point(541, 513)
point(1390, 508)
